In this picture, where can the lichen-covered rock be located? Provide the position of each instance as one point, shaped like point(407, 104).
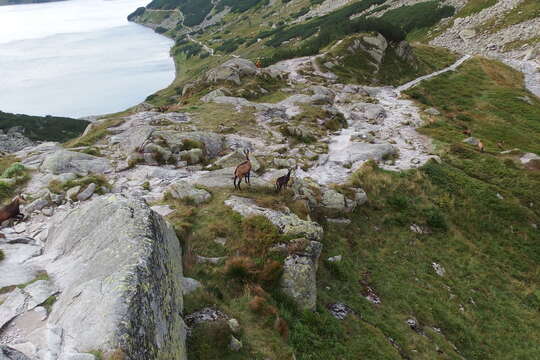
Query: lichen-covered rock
point(191, 157)
point(87, 192)
point(299, 279)
point(182, 190)
point(72, 193)
point(120, 274)
point(235, 158)
point(287, 223)
point(471, 141)
point(233, 70)
point(176, 141)
point(65, 161)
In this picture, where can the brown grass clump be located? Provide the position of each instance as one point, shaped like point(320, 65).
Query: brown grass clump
point(240, 267)
point(260, 305)
point(270, 273)
point(257, 304)
point(117, 354)
point(281, 326)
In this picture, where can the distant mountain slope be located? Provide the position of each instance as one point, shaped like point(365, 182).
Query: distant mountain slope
point(18, 2)
point(44, 128)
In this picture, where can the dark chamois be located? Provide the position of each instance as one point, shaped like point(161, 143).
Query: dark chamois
point(12, 210)
point(283, 181)
point(243, 171)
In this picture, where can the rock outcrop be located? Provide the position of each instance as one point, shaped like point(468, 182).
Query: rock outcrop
point(114, 283)
point(122, 279)
point(64, 161)
point(299, 279)
point(287, 223)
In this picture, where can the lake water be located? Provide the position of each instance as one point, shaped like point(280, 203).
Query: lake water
point(79, 57)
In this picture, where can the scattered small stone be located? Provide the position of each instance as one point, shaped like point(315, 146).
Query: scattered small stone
point(72, 193)
point(234, 325)
point(500, 197)
point(438, 269)
point(203, 315)
point(471, 141)
point(335, 259)
point(338, 221)
point(413, 324)
point(162, 210)
point(48, 211)
point(418, 229)
point(210, 260)
point(87, 193)
point(189, 285)
point(339, 310)
point(235, 344)
point(221, 241)
point(432, 111)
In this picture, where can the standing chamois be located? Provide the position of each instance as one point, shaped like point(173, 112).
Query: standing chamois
point(283, 181)
point(243, 171)
point(12, 210)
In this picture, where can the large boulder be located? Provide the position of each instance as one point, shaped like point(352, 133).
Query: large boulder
point(212, 143)
point(119, 269)
point(299, 279)
point(235, 158)
point(233, 70)
point(288, 223)
point(184, 191)
point(65, 161)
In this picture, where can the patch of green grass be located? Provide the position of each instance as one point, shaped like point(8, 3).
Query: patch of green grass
point(486, 97)
point(475, 6)
point(100, 180)
point(11, 169)
point(48, 304)
point(2, 255)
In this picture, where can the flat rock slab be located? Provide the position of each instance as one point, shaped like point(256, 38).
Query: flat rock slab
point(118, 265)
point(13, 269)
point(287, 223)
point(224, 178)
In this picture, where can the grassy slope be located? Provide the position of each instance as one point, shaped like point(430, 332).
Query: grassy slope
point(486, 305)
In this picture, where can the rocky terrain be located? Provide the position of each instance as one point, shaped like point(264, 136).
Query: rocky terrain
point(397, 236)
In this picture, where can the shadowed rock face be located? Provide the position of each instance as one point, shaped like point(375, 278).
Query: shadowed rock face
point(118, 266)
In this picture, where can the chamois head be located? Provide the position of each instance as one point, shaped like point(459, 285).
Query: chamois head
point(246, 152)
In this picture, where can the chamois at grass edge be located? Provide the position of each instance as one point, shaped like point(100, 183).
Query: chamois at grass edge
point(12, 210)
point(283, 181)
point(243, 171)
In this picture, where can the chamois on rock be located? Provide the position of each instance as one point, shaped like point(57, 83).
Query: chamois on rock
point(12, 210)
point(283, 181)
point(243, 171)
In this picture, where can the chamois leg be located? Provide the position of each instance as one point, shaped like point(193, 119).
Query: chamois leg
point(234, 182)
point(239, 182)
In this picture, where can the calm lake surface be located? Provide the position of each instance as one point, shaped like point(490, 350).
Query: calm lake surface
point(79, 57)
